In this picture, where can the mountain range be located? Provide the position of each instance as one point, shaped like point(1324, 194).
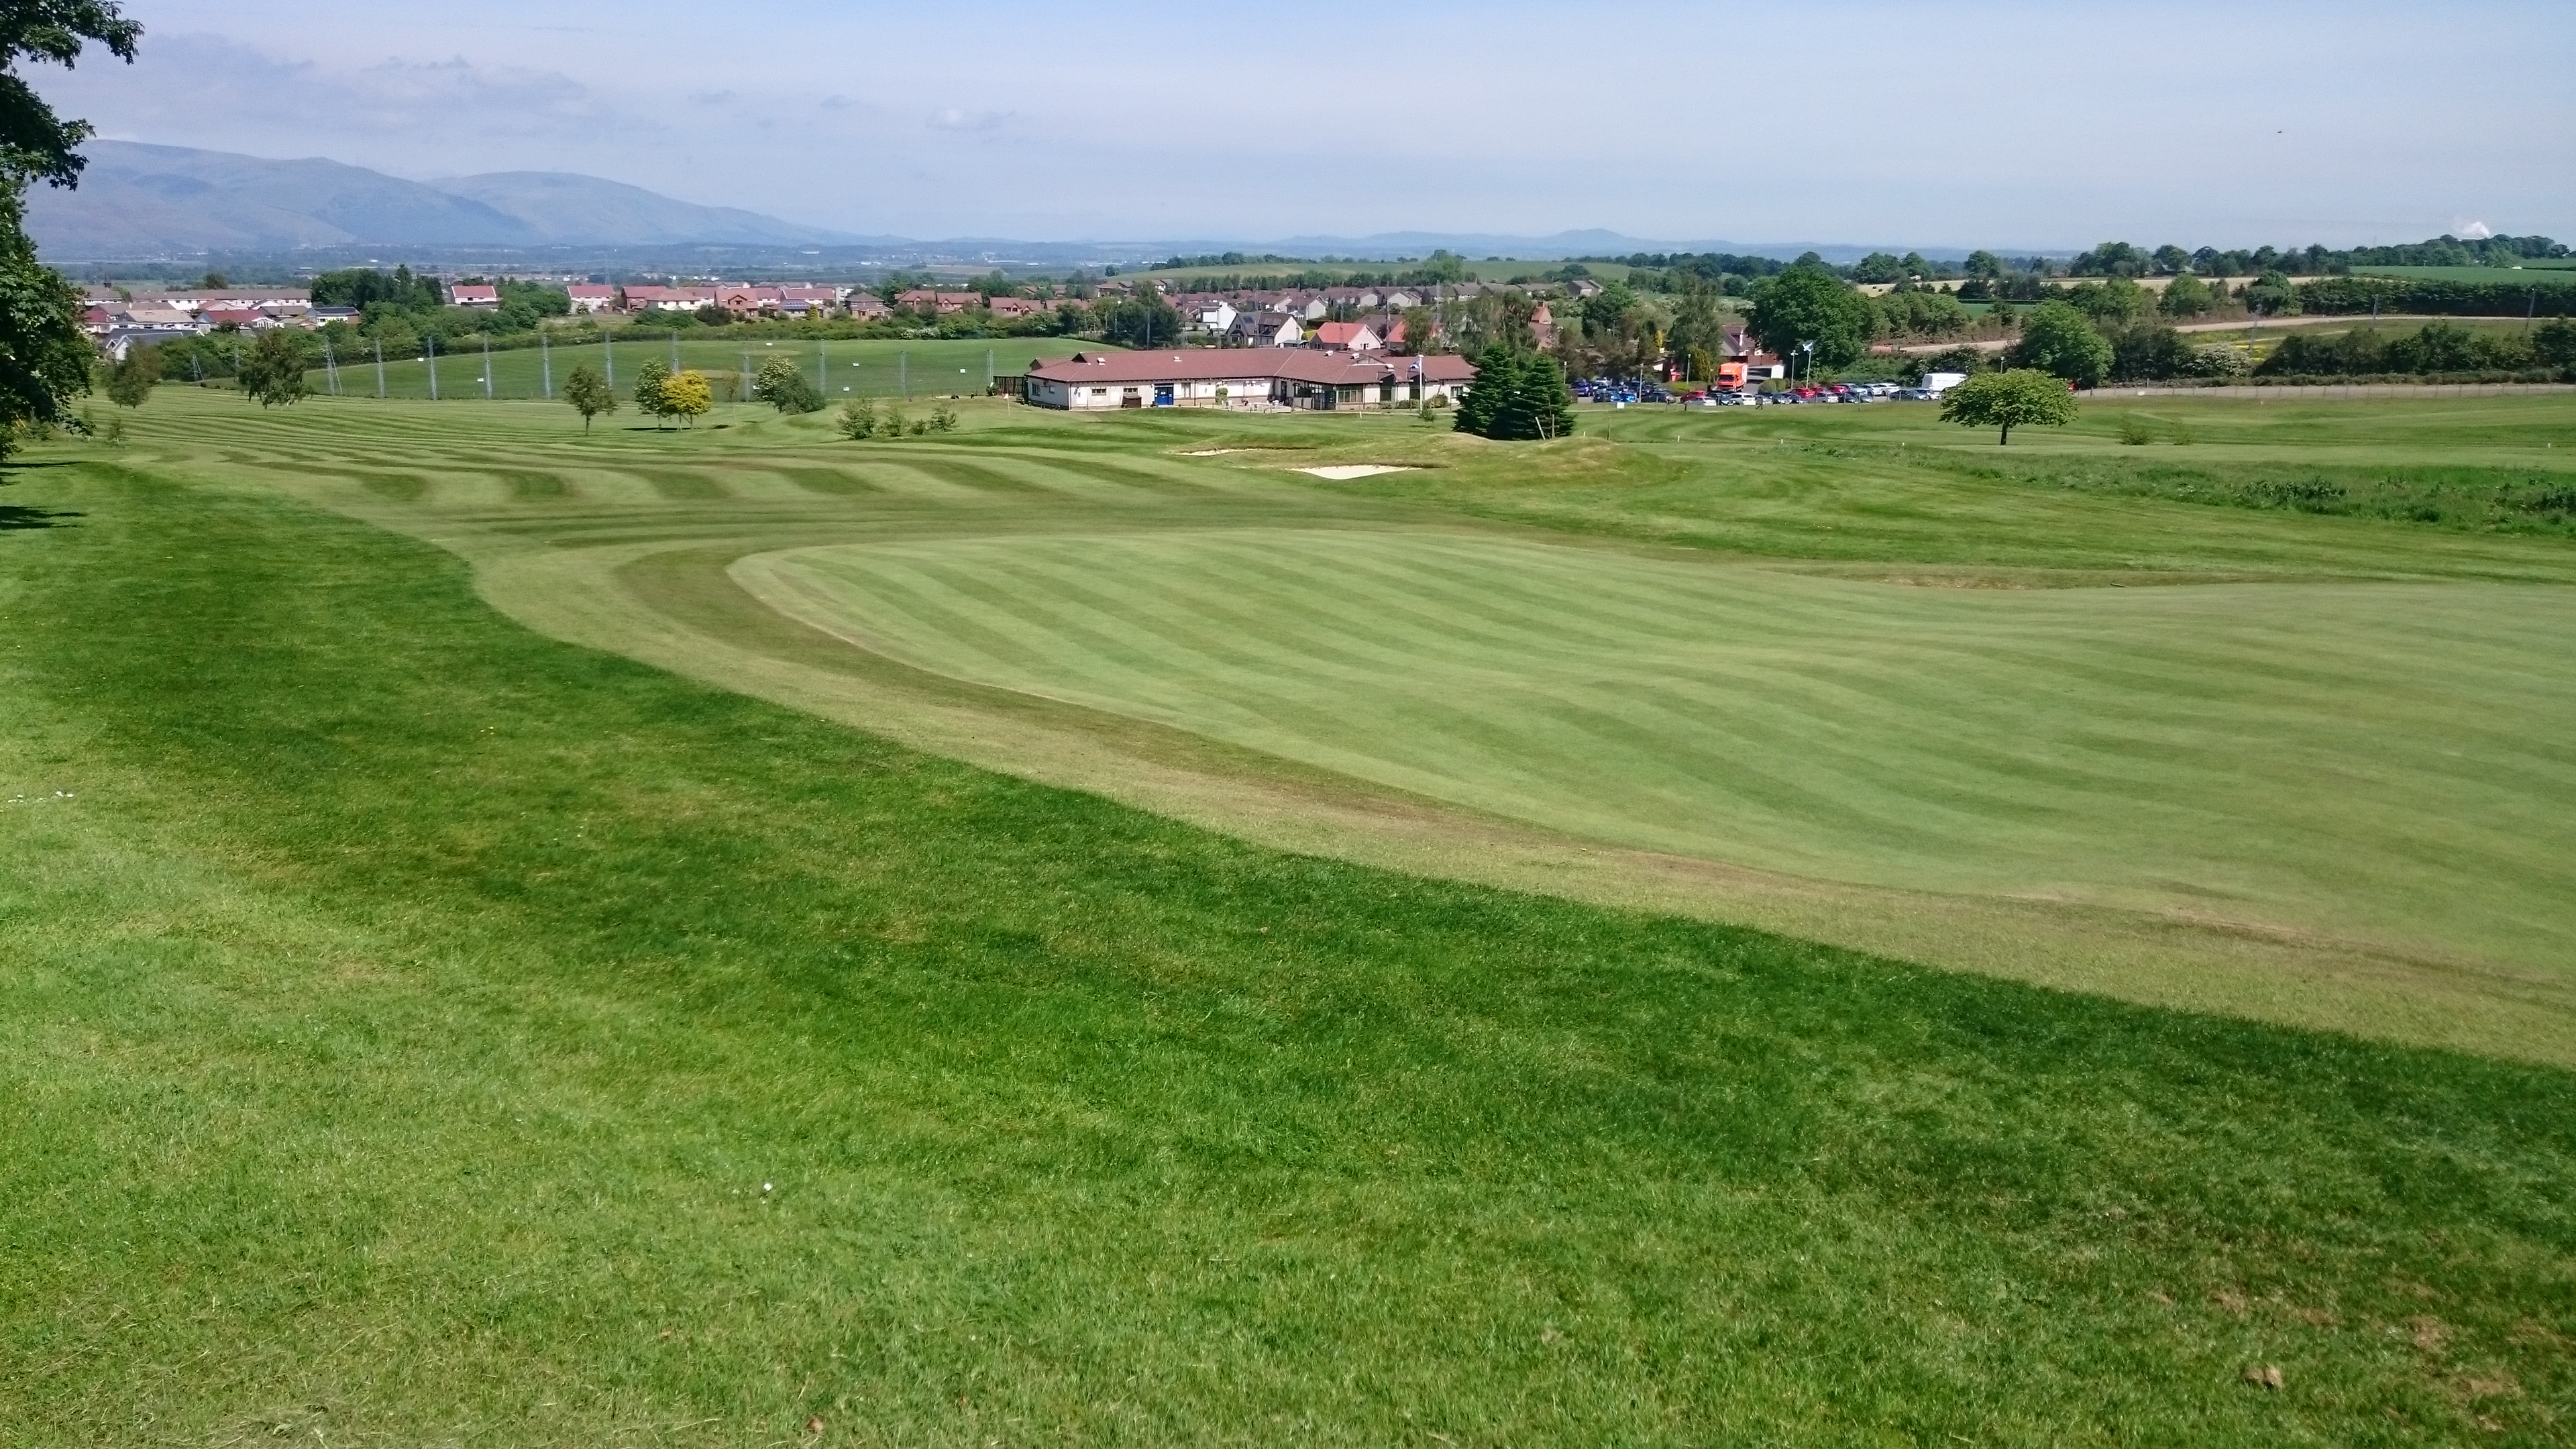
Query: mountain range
point(137, 200)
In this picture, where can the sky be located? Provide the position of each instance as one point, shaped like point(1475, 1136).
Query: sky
point(2006, 125)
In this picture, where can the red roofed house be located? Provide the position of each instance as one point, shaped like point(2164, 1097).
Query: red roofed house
point(474, 296)
point(587, 298)
point(1348, 336)
point(923, 300)
point(1242, 377)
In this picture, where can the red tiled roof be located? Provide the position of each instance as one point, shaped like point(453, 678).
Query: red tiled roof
point(1209, 364)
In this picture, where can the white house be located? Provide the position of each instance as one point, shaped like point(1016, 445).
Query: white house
point(587, 298)
point(1261, 378)
point(1217, 316)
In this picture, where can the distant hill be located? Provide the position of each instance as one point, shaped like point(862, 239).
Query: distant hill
point(138, 200)
point(568, 209)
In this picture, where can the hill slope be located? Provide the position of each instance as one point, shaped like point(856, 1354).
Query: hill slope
point(138, 199)
point(564, 207)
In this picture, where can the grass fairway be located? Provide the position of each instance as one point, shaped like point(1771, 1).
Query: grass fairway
point(418, 1029)
point(2327, 757)
point(874, 369)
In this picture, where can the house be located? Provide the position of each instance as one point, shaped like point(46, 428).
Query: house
point(641, 298)
point(473, 296)
point(1583, 289)
point(1272, 378)
point(1017, 306)
point(589, 298)
point(1543, 327)
point(243, 318)
point(925, 302)
point(1401, 301)
point(1348, 337)
point(1217, 316)
point(869, 307)
point(1252, 329)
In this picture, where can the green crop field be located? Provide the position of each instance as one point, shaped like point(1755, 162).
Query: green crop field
point(1796, 926)
point(2543, 274)
point(932, 368)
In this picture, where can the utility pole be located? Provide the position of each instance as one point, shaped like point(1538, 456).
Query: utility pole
point(675, 352)
point(380, 369)
point(903, 374)
point(608, 346)
point(545, 366)
point(746, 377)
point(330, 366)
point(433, 367)
point(822, 366)
point(988, 371)
point(487, 367)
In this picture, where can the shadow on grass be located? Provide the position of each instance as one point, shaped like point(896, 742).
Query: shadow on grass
point(13, 518)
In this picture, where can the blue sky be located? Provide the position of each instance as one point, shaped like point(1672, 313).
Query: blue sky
point(1965, 124)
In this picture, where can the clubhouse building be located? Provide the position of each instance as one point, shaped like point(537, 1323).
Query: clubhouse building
point(1243, 377)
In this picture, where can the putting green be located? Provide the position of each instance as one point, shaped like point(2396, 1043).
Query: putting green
point(2379, 763)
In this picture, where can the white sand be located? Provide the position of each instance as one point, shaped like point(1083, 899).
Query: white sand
point(1341, 471)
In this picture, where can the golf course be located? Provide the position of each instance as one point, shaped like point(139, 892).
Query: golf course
point(1794, 925)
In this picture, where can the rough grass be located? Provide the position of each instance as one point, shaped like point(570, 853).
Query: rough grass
point(418, 1031)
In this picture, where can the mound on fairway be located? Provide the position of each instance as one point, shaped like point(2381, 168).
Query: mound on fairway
point(2359, 759)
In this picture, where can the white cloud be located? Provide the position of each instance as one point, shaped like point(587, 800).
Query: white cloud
point(954, 119)
point(2471, 230)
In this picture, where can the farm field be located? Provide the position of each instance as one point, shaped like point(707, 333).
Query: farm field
point(470, 979)
point(2537, 273)
point(876, 369)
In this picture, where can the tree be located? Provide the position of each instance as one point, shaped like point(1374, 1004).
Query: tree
point(2147, 351)
point(1516, 396)
point(2185, 296)
point(1142, 319)
point(858, 420)
point(273, 372)
point(130, 382)
point(648, 389)
point(1984, 264)
point(2008, 400)
point(36, 144)
point(2555, 343)
point(2272, 295)
point(686, 396)
point(44, 355)
point(782, 384)
point(589, 394)
point(1879, 267)
point(1809, 304)
point(2059, 340)
point(1421, 329)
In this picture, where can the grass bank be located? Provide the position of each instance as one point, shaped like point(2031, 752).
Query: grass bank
point(419, 1030)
